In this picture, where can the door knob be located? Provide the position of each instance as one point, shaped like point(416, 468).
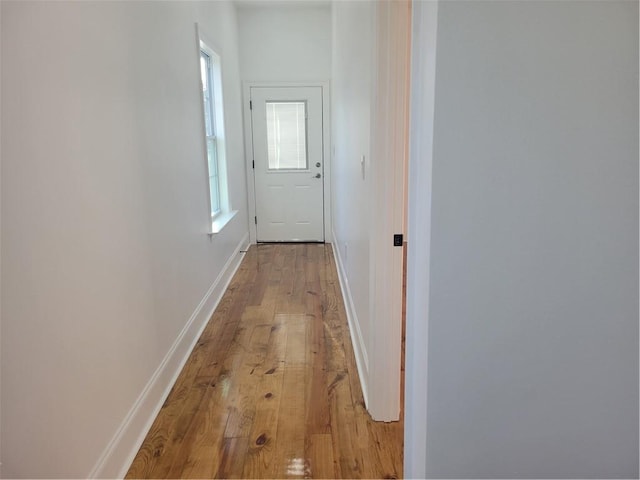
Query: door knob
point(317, 175)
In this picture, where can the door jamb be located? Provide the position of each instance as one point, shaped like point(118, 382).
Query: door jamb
point(389, 142)
point(248, 148)
point(424, 51)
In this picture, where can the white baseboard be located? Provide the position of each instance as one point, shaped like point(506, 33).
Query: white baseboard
point(117, 457)
point(359, 346)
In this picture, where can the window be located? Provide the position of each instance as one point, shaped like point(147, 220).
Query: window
point(287, 135)
point(211, 82)
point(210, 132)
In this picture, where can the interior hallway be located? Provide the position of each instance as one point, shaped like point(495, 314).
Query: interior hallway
point(271, 389)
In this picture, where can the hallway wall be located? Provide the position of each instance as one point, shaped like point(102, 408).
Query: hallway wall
point(532, 364)
point(106, 261)
point(351, 87)
point(285, 43)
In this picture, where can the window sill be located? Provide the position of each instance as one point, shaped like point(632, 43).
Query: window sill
point(221, 221)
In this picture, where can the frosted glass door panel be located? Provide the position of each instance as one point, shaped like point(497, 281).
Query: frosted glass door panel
point(287, 135)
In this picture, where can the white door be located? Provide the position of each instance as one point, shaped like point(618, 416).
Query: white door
point(288, 163)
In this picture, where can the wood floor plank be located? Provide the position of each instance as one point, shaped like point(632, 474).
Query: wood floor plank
point(296, 351)
point(388, 456)
point(259, 461)
point(317, 420)
point(241, 399)
point(271, 389)
point(199, 456)
point(289, 457)
point(367, 460)
point(178, 433)
point(321, 460)
point(232, 458)
point(290, 299)
point(265, 259)
point(343, 428)
point(317, 393)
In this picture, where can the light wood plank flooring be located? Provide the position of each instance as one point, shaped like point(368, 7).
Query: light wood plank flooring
point(271, 389)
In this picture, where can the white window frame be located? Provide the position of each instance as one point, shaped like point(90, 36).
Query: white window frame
point(222, 216)
point(209, 103)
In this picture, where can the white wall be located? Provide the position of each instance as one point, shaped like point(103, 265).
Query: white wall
point(533, 304)
point(352, 54)
point(285, 43)
point(105, 256)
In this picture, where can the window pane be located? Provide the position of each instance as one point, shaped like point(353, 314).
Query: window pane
point(287, 135)
point(205, 72)
point(214, 187)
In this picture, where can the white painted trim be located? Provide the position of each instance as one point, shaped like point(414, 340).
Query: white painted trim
point(422, 107)
point(326, 155)
point(326, 149)
point(123, 447)
point(1, 457)
point(221, 221)
point(359, 350)
point(248, 149)
point(389, 128)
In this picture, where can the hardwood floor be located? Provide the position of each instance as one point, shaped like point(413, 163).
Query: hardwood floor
point(271, 388)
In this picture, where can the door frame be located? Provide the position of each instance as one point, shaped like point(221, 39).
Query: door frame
point(388, 173)
point(248, 149)
point(424, 32)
